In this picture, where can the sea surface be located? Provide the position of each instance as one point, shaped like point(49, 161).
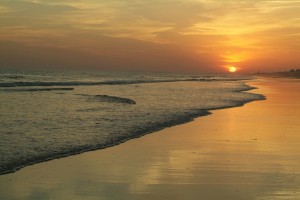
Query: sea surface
point(52, 114)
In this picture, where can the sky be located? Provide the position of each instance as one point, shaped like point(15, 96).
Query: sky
point(156, 35)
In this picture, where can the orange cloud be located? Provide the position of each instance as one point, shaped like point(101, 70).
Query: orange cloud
point(207, 34)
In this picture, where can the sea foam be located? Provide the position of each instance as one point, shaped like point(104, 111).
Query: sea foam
point(100, 110)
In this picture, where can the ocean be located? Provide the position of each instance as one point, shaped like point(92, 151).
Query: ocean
point(51, 114)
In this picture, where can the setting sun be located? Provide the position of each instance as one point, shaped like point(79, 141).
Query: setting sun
point(232, 69)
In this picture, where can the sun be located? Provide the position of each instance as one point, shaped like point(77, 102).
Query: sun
point(232, 69)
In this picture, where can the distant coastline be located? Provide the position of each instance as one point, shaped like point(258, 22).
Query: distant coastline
point(293, 73)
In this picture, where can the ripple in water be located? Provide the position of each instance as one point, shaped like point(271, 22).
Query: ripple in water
point(42, 124)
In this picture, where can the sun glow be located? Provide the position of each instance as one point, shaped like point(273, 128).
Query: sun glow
point(232, 69)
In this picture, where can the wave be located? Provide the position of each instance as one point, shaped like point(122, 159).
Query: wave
point(39, 83)
point(37, 89)
point(11, 76)
point(114, 82)
point(109, 99)
point(87, 132)
point(138, 132)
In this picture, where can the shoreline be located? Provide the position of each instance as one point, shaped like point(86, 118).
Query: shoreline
point(148, 130)
point(250, 152)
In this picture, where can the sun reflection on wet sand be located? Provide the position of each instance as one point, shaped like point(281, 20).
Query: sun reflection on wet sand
point(249, 152)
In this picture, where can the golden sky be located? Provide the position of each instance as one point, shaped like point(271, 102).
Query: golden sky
point(156, 35)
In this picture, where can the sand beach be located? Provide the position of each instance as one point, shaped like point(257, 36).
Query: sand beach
point(243, 153)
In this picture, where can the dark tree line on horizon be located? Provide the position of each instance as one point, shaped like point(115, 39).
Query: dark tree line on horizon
point(290, 73)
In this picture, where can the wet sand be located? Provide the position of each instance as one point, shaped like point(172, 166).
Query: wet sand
point(244, 153)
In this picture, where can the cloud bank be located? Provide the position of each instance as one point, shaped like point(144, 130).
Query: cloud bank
point(158, 35)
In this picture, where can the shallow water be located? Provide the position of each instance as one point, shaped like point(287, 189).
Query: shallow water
point(250, 153)
point(45, 115)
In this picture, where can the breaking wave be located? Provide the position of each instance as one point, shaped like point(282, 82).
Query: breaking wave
point(117, 82)
point(36, 89)
point(37, 126)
